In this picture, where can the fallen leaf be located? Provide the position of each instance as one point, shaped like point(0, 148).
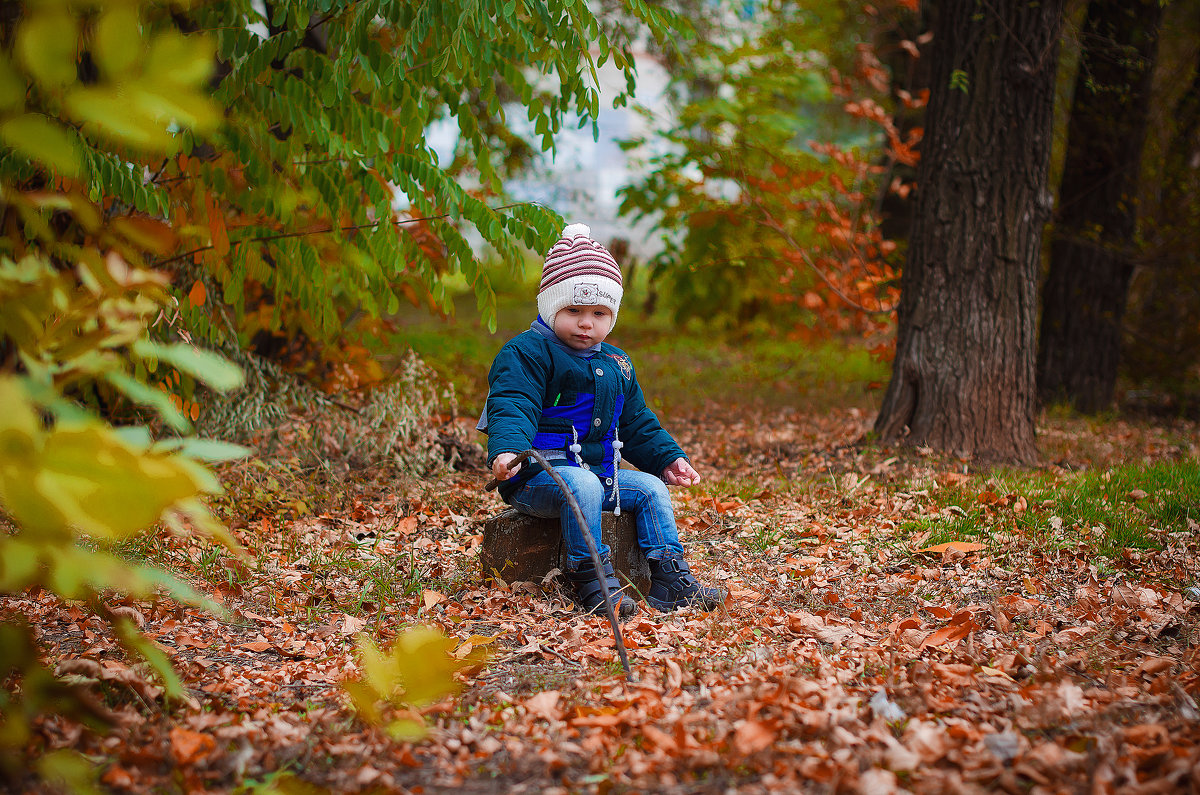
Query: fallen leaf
point(805, 623)
point(877, 781)
point(596, 720)
point(960, 546)
point(951, 633)
point(351, 625)
point(545, 705)
point(987, 670)
point(188, 747)
point(752, 736)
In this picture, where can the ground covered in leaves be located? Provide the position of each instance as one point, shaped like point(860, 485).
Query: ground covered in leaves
point(896, 621)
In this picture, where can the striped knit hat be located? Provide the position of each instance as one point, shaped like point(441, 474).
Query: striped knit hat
point(578, 272)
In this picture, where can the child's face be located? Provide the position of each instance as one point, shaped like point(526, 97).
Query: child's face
point(581, 327)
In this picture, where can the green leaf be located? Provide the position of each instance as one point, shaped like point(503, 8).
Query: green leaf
point(45, 45)
point(118, 40)
point(216, 371)
point(183, 593)
point(213, 450)
point(44, 141)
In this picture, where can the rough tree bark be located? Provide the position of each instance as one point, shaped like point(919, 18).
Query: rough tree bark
point(1092, 249)
point(963, 376)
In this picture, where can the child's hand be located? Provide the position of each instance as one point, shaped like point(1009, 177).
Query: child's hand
point(501, 469)
point(680, 473)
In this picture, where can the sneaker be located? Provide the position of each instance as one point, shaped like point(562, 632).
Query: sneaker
point(586, 587)
point(672, 586)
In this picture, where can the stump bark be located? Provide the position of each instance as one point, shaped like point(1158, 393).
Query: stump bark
point(517, 546)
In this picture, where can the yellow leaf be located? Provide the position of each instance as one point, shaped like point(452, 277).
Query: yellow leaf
point(365, 700)
point(46, 43)
point(417, 670)
point(12, 86)
point(180, 60)
point(18, 564)
point(379, 671)
point(407, 729)
point(171, 103)
point(118, 40)
point(422, 657)
point(106, 487)
point(107, 109)
point(44, 141)
point(987, 670)
point(21, 443)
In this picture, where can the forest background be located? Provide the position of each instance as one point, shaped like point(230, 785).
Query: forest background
point(246, 320)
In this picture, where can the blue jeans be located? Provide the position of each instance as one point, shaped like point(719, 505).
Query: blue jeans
point(643, 495)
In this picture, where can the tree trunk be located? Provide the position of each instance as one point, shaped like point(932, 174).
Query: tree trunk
point(910, 76)
point(1166, 346)
point(963, 376)
point(1091, 259)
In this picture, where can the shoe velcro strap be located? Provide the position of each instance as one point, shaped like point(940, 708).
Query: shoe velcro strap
point(591, 591)
point(673, 566)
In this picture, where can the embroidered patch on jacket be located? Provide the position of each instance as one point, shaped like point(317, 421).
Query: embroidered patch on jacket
point(625, 365)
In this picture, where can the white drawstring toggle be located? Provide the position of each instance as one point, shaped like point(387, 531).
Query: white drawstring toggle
point(576, 447)
point(616, 445)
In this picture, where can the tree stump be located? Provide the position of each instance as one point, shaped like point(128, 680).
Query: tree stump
point(517, 546)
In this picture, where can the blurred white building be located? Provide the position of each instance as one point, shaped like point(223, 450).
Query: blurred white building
point(581, 178)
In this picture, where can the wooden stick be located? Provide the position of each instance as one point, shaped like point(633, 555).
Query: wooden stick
point(591, 545)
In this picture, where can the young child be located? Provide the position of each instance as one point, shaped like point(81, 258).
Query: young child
point(560, 389)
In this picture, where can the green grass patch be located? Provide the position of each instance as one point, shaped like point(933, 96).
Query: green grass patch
point(1125, 507)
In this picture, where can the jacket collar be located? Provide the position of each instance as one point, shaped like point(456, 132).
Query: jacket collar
point(540, 327)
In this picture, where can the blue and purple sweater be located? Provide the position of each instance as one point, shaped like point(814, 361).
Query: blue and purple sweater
point(570, 405)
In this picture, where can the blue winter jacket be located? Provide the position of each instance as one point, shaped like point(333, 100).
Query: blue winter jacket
point(540, 390)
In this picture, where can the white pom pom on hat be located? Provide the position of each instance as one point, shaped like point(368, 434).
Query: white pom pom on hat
point(578, 272)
